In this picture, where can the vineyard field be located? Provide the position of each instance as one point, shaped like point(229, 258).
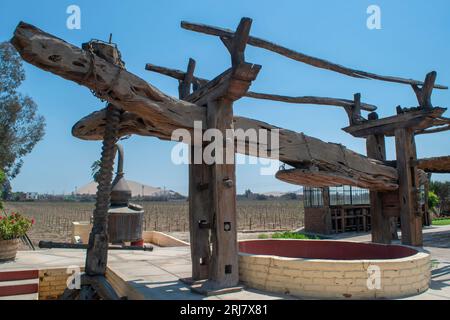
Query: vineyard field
point(54, 219)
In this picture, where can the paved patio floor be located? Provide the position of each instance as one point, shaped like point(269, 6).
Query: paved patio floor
point(156, 274)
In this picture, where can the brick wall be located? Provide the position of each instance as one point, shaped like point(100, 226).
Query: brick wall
point(52, 283)
point(335, 278)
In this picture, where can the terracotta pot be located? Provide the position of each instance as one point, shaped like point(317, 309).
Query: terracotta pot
point(8, 249)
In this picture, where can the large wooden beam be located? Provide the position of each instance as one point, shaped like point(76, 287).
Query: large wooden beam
point(313, 177)
point(435, 164)
point(316, 62)
point(150, 112)
point(416, 119)
point(179, 75)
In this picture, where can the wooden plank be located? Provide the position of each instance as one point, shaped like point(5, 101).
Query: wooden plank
point(313, 61)
point(411, 220)
point(417, 119)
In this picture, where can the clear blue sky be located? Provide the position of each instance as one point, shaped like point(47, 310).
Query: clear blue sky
point(414, 40)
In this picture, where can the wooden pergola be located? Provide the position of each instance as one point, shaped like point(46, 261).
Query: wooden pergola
point(137, 107)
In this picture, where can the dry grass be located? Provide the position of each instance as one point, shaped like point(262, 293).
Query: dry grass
point(53, 219)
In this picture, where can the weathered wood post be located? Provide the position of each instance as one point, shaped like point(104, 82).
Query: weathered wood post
point(410, 215)
point(380, 223)
point(200, 196)
point(408, 177)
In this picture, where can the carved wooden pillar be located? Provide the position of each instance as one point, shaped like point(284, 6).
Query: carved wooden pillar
point(411, 219)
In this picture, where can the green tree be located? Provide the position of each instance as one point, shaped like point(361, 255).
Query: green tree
point(433, 200)
point(20, 125)
point(441, 189)
point(2, 179)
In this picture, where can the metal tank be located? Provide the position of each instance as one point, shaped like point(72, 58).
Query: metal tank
point(125, 220)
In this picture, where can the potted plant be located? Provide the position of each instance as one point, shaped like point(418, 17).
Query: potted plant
point(12, 227)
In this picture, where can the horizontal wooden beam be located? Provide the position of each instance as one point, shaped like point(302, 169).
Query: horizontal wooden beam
point(298, 56)
point(179, 75)
point(435, 164)
point(318, 178)
point(149, 112)
point(440, 124)
point(418, 119)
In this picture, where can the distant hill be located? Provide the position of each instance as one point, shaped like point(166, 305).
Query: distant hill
point(137, 190)
point(281, 193)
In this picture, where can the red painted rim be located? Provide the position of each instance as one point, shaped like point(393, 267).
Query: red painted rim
point(325, 249)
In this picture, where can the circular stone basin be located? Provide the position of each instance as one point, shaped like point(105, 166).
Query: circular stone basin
point(333, 269)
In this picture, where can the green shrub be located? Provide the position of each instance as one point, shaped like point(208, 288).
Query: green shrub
point(433, 199)
point(441, 222)
point(292, 235)
point(14, 226)
point(263, 236)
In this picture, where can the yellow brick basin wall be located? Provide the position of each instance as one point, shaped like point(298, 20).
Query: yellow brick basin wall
point(331, 279)
point(53, 282)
